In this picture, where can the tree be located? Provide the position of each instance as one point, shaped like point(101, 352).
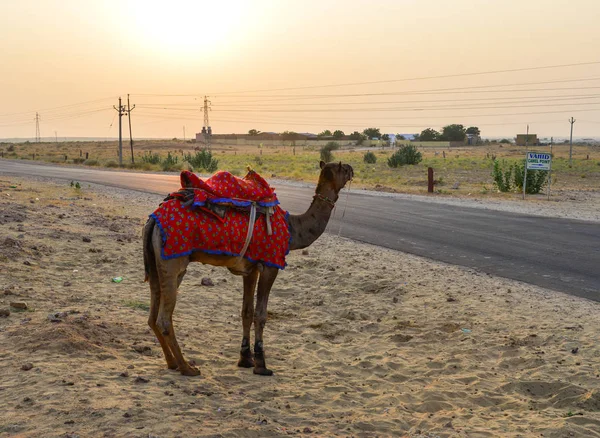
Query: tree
point(289, 135)
point(417, 137)
point(253, 132)
point(358, 137)
point(326, 133)
point(372, 133)
point(337, 134)
point(386, 139)
point(453, 133)
point(400, 137)
point(429, 134)
point(474, 130)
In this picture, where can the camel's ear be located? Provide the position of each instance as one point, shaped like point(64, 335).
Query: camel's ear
point(322, 164)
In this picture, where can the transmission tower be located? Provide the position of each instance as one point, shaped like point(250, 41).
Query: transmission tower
point(37, 128)
point(206, 129)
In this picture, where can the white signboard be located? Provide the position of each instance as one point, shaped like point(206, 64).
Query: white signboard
point(538, 161)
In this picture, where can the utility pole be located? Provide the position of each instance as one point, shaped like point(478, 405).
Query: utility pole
point(37, 128)
point(55, 137)
point(121, 110)
point(206, 129)
point(184, 133)
point(571, 121)
point(129, 109)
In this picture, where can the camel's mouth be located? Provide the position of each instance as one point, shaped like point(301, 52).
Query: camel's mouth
point(349, 172)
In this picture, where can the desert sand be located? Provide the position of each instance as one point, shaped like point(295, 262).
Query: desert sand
point(363, 341)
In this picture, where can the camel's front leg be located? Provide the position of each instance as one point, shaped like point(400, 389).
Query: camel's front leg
point(265, 282)
point(246, 359)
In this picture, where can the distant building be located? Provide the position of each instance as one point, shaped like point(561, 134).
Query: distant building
point(472, 139)
point(527, 139)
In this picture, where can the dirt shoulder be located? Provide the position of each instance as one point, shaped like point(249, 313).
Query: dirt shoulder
point(363, 341)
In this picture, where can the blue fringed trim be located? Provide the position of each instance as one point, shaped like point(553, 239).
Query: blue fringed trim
point(233, 202)
point(239, 203)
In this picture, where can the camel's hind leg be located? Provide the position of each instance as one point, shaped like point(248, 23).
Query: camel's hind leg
point(170, 274)
point(154, 306)
point(151, 258)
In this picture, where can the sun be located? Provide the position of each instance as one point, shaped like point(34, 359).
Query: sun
point(193, 27)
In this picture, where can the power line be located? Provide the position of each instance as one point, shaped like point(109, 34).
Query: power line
point(51, 109)
point(395, 93)
point(417, 78)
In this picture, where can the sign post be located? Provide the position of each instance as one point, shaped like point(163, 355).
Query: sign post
point(537, 161)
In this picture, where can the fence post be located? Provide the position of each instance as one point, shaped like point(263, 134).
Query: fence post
point(430, 180)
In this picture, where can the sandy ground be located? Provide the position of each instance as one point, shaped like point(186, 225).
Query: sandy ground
point(364, 341)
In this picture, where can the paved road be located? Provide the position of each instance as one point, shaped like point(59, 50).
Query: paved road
point(558, 254)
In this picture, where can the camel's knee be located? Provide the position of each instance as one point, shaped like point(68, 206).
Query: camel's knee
point(260, 319)
point(152, 321)
point(164, 325)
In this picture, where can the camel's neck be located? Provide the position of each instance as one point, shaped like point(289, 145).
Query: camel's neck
point(307, 227)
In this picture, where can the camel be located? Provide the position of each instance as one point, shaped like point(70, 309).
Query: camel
point(165, 276)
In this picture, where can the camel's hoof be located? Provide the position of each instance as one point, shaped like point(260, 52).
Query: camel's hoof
point(190, 371)
point(263, 371)
point(246, 362)
point(172, 366)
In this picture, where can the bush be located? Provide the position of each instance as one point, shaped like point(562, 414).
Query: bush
point(169, 163)
point(202, 160)
point(406, 154)
point(505, 141)
point(510, 177)
point(326, 154)
point(91, 162)
point(112, 163)
point(370, 158)
point(502, 177)
point(78, 160)
point(536, 179)
point(150, 158)
point(11, 148)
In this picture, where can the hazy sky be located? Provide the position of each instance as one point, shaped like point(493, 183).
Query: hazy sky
point(69, 60)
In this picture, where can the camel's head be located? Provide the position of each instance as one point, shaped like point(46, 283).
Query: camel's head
point(335, 174)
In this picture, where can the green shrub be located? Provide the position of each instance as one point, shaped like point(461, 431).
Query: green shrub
point(502, 177)
point(406, 154)
point(536, 179)
point(78, 160)
point(202, 159)
point(11, 148)
point(151, 158)
point(510, 177)
point(325, 151)
point(112, 163)
point(170, 163)
point(370, 158)
point(91, 162)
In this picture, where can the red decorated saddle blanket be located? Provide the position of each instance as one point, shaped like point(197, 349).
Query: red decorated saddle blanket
point(189, 223)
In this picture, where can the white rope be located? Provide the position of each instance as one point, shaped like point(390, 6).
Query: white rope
point(345, 205)
point(250, 229)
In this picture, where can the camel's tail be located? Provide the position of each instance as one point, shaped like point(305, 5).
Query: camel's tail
point(149, 256)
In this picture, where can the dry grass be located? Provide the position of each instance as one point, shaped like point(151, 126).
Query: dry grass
point(467, 167)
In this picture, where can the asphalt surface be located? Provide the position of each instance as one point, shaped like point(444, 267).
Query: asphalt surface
point(558, 254)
